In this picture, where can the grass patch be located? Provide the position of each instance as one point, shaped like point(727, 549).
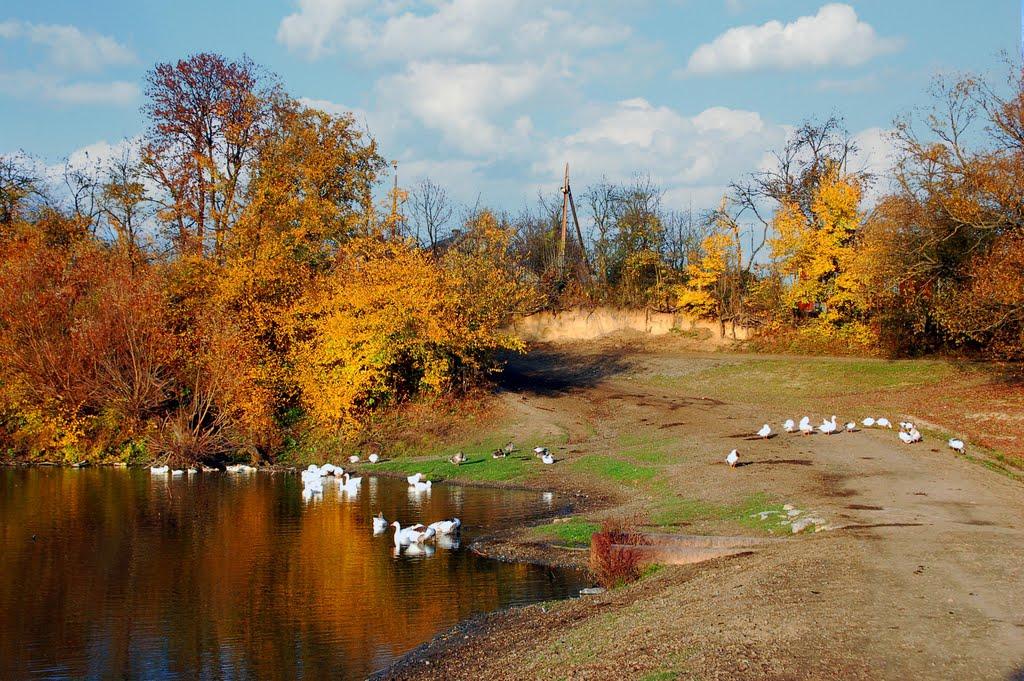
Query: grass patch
point(666, 675)
point(478, 467)
point(609, 468)
point(674, 511)
point(576, 532)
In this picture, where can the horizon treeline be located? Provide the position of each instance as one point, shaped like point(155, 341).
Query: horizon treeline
point(230, 288)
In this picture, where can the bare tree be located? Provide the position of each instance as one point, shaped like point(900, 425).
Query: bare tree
point(431, 212)
point(19, 184)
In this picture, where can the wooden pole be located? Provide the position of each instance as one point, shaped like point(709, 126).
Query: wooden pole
point(565, 218)
point(579, 232)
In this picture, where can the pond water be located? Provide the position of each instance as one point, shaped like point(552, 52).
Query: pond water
point(115, 573)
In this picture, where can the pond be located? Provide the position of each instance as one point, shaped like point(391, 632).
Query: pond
point(118, 573)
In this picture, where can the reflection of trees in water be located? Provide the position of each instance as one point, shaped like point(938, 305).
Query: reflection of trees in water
point(136, 575)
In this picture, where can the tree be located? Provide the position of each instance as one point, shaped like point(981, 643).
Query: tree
point(431, 212)
point(208, 117)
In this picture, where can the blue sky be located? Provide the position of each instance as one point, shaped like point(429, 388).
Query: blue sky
point(490, 98)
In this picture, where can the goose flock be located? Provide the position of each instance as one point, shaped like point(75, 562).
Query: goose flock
point(908, 432)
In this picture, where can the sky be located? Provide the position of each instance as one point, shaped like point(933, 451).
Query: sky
point(490, 99)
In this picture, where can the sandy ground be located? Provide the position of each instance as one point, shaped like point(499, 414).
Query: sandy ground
point(920, 577)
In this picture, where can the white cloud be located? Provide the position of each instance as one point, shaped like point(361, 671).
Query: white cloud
point(464, 101)
point(690, 157)
point(432, 29)
point(35, 85)
point(69, 47)
point(835, 36)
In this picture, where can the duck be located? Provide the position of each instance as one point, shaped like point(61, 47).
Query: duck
point(850, 426)
point(957, 445)
point(547, 458)
point(868, 422)
point(789, 426)
point(159, 470)
point(828, 426)
point(373, 458)
point(765, 431)
point(354, 458)
point(509, 447)
point(350, 484)
point(458, 458)
point(540, 451)
point(883, 423)
point(733, 458)
point(380, 524)
point(498, 454)
point(415, 477)
point(413, 534)
point(446, 526)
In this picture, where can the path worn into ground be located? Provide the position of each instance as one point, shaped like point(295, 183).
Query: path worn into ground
point(921, 577)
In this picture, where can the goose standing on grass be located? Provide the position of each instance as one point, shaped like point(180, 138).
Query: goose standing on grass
point(499, 454)
point(547, 458)
point(159, 470)
point(354, 458)
point(458, 458)
point(373, 458)
point(733, 458)
point(883, 423)
point(415, 477)
point(765, 431)
point(789, 426)
point(444, 527)
point(868, 422)
point(957, 445)
point(380, 525)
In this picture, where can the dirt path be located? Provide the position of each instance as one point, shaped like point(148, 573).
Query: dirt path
point(921, 575)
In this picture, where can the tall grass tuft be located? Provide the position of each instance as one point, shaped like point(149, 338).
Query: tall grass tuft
point(612, 563)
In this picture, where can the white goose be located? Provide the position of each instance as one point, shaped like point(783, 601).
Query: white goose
point(957, 445)
point(547, 458)
point(765, 431)
point(850, 426)
point(883, 423)
point(327, 469)
point(789, 426)
point(446, 526)
point(380, 525)
point(159, 470)
point(350, 484)
point(311, 475)
point(868, 422)
point(806, 428)
point(374, 458)
point(828, 426)
point(416, 477)
point(178, 471)
point(733, 458)
point(414, 534)
point(354, 458)
point(422, 486)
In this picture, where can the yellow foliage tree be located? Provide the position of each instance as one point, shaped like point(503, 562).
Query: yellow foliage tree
point(702, 293)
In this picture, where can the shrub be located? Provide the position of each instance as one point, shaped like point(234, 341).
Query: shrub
point(610, 564)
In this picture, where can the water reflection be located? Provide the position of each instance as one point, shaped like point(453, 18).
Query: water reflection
point(107, 572)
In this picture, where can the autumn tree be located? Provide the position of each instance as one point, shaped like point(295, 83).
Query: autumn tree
point(432, 212)
point(208, 117)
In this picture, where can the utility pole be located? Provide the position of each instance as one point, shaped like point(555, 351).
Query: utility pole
point(565, 218)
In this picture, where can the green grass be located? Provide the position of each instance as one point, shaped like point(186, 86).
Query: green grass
point(667, 675)
point(672, 511)
point(610, 468)
point(576, 532)
point(478, 468)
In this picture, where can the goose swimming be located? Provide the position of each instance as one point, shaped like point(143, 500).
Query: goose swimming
point(957, 445)
point(416, 477)
point(733, 458)
point(421, 486)
point(350, 484)
point(380, 525)
point(446, 526)
point(765, 431)
point(414, 534)
point(159, 470)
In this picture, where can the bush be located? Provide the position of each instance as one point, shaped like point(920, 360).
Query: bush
point(610, 565)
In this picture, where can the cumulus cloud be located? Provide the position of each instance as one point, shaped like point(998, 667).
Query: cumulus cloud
point(471, 105)
point(691, 157)
point(468, 29)
point(69, 47)
point(835, 36)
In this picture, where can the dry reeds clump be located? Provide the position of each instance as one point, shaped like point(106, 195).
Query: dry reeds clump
point(612, 563)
